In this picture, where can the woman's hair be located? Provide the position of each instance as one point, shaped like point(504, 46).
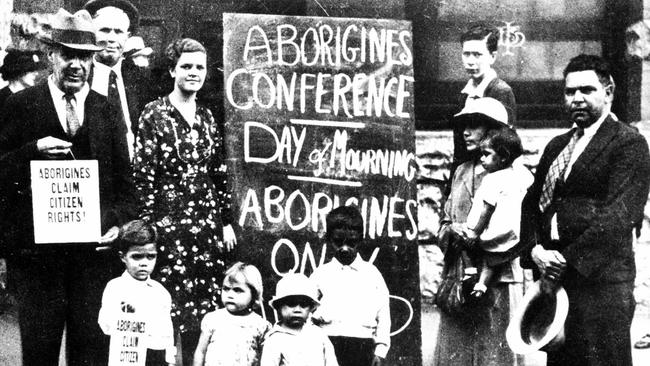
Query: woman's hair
point(252, 277)
point(176, 48)
point(135, 233)
point(505, 142)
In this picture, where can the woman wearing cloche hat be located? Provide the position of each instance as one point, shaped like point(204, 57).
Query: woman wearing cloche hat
point(21, 70)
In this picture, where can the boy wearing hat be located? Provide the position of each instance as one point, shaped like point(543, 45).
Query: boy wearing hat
point(62, 119)
point(294, 340)
point(20, 69)
point(354, 309)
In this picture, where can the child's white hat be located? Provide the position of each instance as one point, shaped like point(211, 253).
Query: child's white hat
point(295, 284)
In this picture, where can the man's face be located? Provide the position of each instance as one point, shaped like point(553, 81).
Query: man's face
point(70, 68)
point(585, 98)
point(477, 60)
point(111, 32)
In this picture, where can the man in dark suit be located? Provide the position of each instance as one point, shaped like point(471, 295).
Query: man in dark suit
point(62, 119)
point(121, 82)
point(579, 215)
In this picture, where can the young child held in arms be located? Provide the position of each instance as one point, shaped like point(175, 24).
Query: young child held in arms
point(233, 335)
point(135, 293)
point(492, 226)
point(354, 309)
point(294, 340)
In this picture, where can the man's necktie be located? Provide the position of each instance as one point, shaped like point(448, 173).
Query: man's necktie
point(113, 93)
point(71, 118)
point(557, 170)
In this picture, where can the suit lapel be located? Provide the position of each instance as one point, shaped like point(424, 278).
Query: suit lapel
point(92, 122)
point(44, 104)
point(601, 139)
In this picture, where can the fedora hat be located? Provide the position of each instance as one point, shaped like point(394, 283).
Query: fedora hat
point(295, 284)
point(126, 6)
point(485, 111)
point(72, 31)
point(539, 320)
point(20, 62)
point(134, 46)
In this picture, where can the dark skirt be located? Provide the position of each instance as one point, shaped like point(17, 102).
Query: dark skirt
point(479, 338)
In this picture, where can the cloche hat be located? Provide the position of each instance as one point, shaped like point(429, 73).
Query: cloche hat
point(19, 62)
point(539, 320)
point(295, 284)
point(72, 31)
point(483, 111)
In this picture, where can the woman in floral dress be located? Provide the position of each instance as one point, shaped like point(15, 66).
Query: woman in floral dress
point(180, 176)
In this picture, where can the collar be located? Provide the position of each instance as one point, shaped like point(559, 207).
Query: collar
point(590, 131)
point(479, 90)
point(105, 69)
point(58, 94)
point(127, 277)
point(355, 265)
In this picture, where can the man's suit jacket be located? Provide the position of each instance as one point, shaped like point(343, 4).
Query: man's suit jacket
point(597, 206)
point(137, 88)
point(31, 115)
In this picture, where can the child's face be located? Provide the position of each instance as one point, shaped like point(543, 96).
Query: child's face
point(344, 242)
point(490, 159)
point(236, 296)
point(140, 260)
point(295, 310)
point(477, 60)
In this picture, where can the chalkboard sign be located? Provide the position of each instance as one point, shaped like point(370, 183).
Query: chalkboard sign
point(319, 113)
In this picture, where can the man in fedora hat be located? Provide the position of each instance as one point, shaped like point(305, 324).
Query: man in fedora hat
point(62, 119)
point(579, 215)
point(122, 82)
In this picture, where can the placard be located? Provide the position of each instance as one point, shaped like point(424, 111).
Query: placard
point(127, 347)
point(65, 200)
point(319, 113)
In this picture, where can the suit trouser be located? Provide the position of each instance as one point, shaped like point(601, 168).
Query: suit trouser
point(597, 328)
point(57, 288)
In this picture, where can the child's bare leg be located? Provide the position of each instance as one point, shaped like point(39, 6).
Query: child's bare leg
point(486, 275)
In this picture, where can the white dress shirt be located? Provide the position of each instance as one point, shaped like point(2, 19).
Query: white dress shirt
point(355, 302)
point(101, 74)
point(79, 103)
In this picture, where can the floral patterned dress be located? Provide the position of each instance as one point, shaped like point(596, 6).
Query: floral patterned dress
point(180, 176)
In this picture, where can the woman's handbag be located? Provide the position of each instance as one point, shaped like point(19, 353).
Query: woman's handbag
point(453, 295)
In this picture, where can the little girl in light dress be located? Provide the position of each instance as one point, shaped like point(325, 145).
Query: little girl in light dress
point(233, 335)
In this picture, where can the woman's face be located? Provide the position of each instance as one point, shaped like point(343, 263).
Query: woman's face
point(189, 72)
point(473, 137)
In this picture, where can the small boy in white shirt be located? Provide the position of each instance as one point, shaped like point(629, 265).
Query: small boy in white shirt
point(360, 333)
point(135, 295)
